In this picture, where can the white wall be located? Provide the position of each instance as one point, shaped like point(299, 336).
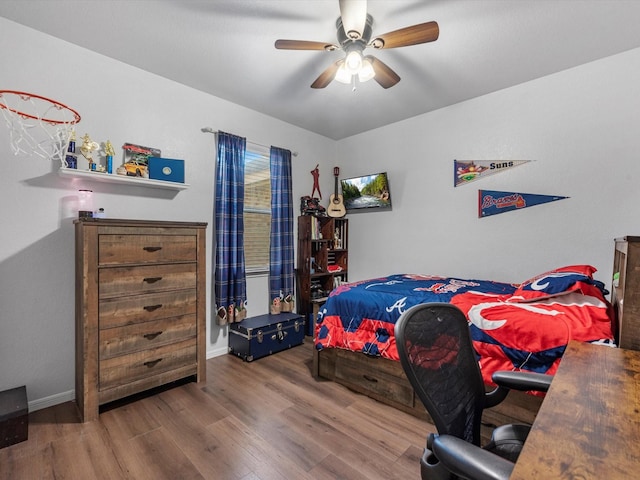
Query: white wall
point(581, 128)
point(123, 104)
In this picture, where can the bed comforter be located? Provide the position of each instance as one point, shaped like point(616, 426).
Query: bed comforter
point(523, 326)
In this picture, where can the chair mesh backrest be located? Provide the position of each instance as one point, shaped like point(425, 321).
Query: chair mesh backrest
point(437, 356)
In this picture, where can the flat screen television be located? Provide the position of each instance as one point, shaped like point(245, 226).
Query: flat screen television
point(366, 192)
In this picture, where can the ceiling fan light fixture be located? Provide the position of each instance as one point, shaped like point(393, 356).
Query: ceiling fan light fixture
point(353, 62)
point(342, 75)
point(354, 34)
point(366, 72)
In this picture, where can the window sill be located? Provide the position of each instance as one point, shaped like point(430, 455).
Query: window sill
point(257, 273)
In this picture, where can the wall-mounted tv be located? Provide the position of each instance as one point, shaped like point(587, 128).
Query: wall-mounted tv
point(366, 192)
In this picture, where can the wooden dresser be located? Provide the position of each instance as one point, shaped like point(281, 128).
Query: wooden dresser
point(625, 294)
point(140, 307)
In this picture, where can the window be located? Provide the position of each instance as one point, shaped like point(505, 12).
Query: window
point(257, 209)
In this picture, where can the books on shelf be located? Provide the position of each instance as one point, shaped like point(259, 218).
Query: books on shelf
point(337, 237)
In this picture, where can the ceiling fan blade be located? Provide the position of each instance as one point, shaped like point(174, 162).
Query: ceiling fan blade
point(414, 35)
point(384, 75)
point(304, 45)
point(354, 17)
point(327, 76)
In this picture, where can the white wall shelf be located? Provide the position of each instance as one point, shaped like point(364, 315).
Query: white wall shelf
point(121, 179)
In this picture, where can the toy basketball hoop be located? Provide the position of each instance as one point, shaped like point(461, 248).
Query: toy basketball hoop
point(37, 124)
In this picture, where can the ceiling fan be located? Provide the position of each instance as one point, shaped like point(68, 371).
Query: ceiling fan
point(354, 35)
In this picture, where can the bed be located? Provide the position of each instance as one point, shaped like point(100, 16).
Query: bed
point(522, 326)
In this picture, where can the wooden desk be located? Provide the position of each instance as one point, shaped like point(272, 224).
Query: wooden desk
point(588, 426)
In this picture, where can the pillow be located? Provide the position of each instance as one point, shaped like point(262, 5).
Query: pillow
point(555, 282)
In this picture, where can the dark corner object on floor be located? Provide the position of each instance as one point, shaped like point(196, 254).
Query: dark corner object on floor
point(257, 337)
point(14, 416)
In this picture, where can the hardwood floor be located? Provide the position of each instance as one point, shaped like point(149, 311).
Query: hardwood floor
point(263, 420)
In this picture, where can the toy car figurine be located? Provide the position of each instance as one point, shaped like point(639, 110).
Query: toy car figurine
point(136, 168)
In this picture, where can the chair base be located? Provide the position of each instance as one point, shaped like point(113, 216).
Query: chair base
point(507, 441)
point(432, 469)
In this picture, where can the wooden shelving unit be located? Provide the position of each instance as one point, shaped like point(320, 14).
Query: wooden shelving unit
point(323, 256)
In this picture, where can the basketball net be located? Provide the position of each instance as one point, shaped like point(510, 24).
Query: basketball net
point(37, 125)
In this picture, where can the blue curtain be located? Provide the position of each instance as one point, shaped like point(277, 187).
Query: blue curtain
point(281, 261)
point(230, 277)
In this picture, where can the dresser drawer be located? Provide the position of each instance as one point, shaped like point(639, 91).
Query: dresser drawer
point(146, 363)
point(118, 281)
point(115, 312)
point(128, 249)
point(151, 381)
point(374, 378)
point(141, 336)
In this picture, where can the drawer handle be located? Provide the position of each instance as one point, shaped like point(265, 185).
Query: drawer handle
point(370, 379)
point(152, 363)
point(151, 249)
point(151, 308)
point(151, 336)
point(152, 279)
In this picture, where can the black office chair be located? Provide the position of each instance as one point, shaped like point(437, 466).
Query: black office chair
point(437, 355)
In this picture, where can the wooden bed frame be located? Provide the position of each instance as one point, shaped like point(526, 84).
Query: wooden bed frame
point(384, 380)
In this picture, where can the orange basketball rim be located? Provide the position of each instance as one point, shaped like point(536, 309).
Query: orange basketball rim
point(31, 99)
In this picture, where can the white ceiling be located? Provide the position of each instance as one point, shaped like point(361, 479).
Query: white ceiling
point(226, 48)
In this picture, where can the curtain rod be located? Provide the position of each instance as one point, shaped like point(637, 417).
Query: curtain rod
point(211, 130)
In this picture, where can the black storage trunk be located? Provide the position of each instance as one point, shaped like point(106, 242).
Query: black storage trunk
point(260, 336)
point(14, 416)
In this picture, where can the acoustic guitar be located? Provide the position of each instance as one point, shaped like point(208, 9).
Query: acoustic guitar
point(336, 202)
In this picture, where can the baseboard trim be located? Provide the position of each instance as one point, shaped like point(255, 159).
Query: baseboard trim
point(70, 396)
point(52, 400)
point(217, 352)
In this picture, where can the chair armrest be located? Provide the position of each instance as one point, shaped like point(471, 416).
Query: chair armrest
point(523, 381)
point(470, 461)
point(495, 396)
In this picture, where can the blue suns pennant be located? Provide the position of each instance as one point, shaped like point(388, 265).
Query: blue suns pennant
point(491, 202)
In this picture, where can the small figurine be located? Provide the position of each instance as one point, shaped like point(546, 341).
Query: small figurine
point(108, 149)
point(87, 148)
point(316, 185)
point(109, 152)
